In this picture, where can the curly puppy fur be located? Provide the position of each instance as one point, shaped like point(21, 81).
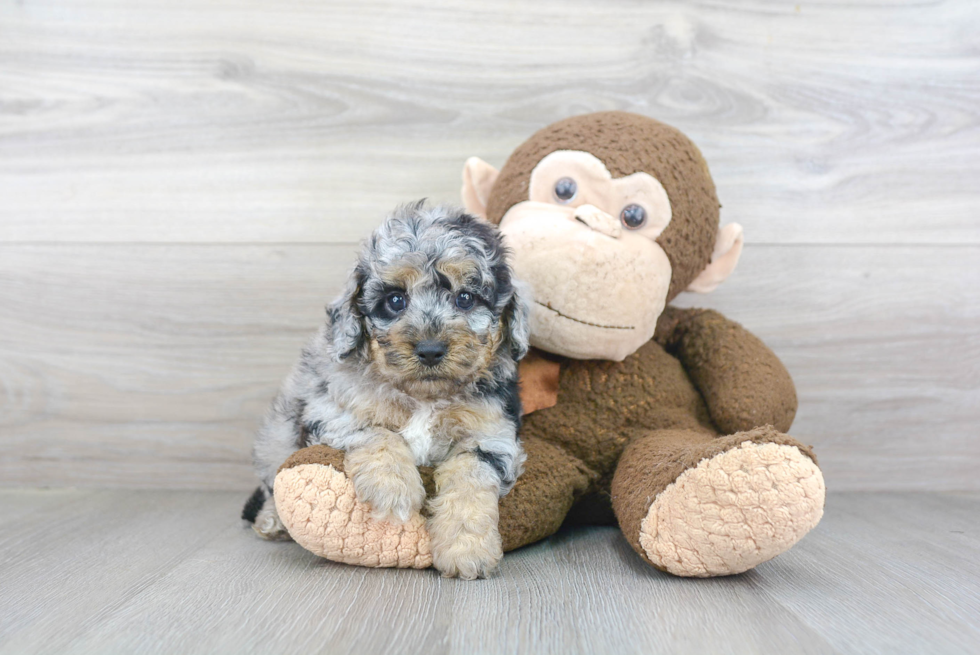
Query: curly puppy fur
point(416, 365)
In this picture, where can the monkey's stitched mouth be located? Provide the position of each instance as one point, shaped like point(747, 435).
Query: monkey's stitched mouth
point(578, 320)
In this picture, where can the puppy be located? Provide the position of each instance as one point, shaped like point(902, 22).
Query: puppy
point(416, 365)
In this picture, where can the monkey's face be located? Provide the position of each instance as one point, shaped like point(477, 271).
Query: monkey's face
point(609, 217)
point(586, 243)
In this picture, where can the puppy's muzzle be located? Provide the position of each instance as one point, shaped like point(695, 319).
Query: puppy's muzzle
point(430, 352)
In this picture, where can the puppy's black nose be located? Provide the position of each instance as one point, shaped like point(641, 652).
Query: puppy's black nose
point(430, 352)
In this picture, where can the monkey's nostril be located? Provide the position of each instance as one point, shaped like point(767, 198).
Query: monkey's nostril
point(430, 352)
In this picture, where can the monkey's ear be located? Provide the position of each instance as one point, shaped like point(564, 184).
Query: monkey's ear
point(478, 179)
point(728, 248)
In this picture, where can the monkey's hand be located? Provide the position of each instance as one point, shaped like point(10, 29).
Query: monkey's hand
point(742, 381)
point(317, 504)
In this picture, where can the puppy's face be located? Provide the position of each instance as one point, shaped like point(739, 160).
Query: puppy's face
point(432, 324)
point(435, 301)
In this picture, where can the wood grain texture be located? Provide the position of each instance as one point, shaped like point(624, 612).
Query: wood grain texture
point(146, 572)
point(245, 121)
point(150, 366)
point(182, 184)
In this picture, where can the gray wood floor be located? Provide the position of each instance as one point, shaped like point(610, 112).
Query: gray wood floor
point(85, 571)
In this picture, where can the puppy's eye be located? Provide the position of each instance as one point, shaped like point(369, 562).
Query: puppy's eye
point(565, 189)
point(396, 301)
point(465, 300)
point(633, 216)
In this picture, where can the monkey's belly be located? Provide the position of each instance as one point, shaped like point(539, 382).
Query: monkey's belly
point(602, 405)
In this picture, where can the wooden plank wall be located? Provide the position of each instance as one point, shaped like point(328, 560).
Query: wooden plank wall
point(182, 184)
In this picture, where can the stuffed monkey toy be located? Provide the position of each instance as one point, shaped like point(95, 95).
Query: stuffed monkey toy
point(670, 423)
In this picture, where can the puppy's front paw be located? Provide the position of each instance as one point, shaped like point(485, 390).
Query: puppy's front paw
point(389, 483)
point(469, 556)
point(457, 552)
point(392, 498)
point(464, 538)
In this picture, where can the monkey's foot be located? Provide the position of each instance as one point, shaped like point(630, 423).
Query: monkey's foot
point(316, 503)
point(733, 511)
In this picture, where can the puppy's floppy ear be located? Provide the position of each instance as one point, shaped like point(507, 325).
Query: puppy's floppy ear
point(346, 321)
point(517, 321)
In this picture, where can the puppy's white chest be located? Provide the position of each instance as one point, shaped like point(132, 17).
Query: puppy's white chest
point(418, 433)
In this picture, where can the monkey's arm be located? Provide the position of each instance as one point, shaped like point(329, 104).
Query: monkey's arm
point(742, 381)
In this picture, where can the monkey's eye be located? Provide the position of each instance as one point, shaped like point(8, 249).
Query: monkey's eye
point(396, 301)
point(565, 189)
point(633, 216)
point(465, 300)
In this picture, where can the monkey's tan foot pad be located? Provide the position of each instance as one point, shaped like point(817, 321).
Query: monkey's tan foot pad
point(316, 503)
point(733, 511)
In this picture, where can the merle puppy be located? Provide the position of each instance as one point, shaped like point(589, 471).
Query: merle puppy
point(416, 365)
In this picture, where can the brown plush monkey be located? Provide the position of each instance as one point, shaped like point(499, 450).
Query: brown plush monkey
point(669, 422)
